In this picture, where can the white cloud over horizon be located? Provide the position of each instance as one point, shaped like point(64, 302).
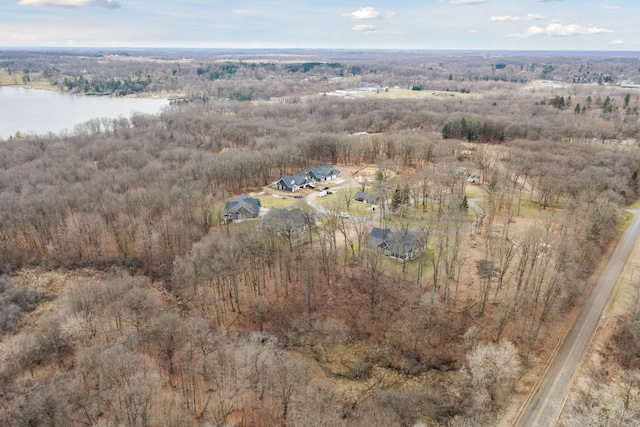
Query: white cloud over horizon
point(72, 4)
point(465, 2)
point(383, 24)
point(365, 13)
point(509, 18)
point(365, 28)
point(557, 29)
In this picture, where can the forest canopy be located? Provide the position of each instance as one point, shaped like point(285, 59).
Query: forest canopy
point(127, 299)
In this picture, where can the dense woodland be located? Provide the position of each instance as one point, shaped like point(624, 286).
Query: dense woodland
point(154, 313)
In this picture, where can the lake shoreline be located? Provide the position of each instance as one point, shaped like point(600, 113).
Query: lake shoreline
point(141, 95)
point(30, 111)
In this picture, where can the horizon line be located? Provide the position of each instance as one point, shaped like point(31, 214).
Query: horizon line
point(337, 49)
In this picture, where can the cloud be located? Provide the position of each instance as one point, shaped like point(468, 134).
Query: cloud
point(545, 1)
point(73, 4)
point(22, 37)
point(609, 7)
point(364, 28)
point(556, 29)
point(466, 1)
point(616, 42)
point(509, 18)
point(368, 13)
point(245, 11)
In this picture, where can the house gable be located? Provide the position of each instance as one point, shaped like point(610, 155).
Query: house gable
point(295, 182)
point(323, 173)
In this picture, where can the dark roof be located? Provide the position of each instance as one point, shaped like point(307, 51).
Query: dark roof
point(323, 171)
point(299, 179)
point(399, 242)
point(377, 236)
point(250, 204)
point(369, 197)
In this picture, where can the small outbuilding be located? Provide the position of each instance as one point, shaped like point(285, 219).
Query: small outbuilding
point(369, 198)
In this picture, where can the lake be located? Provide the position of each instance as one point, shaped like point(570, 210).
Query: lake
point(35, 111)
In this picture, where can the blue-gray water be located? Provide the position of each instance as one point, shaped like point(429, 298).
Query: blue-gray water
point(33, 111)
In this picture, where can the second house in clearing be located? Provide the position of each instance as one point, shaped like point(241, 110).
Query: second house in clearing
point(403, 244)
point(306, 179)
point(371, 199)
point(292, 224)
point(242, 207)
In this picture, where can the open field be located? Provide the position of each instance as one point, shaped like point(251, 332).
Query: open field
point(400, 93)
point(17, 79)
point(12, 79)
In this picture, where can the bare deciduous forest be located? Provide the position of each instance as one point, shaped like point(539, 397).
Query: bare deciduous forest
point(127, 300)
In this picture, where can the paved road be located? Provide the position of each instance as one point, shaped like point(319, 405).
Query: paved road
point(473, 204)
point(544, 407)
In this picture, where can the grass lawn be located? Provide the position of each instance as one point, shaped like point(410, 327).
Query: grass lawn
point(329, 184)
point(337, 199)
point(402, 93)
point(635, 205)
point(624, 222)
point(360, 209)
point(269, 201)
point(7, 79)
point(474, 192)
point(328, 200)
point(532, 209)
point(416, 219)
point(15, 79)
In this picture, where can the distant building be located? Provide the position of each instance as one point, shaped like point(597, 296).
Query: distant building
point(242, 207)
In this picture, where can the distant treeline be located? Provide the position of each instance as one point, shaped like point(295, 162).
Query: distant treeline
point(474, 130)
point(113, 86)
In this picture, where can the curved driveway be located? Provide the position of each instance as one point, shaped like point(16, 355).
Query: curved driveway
point(548, 401)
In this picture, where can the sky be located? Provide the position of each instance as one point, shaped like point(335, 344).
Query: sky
point(604, 25)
